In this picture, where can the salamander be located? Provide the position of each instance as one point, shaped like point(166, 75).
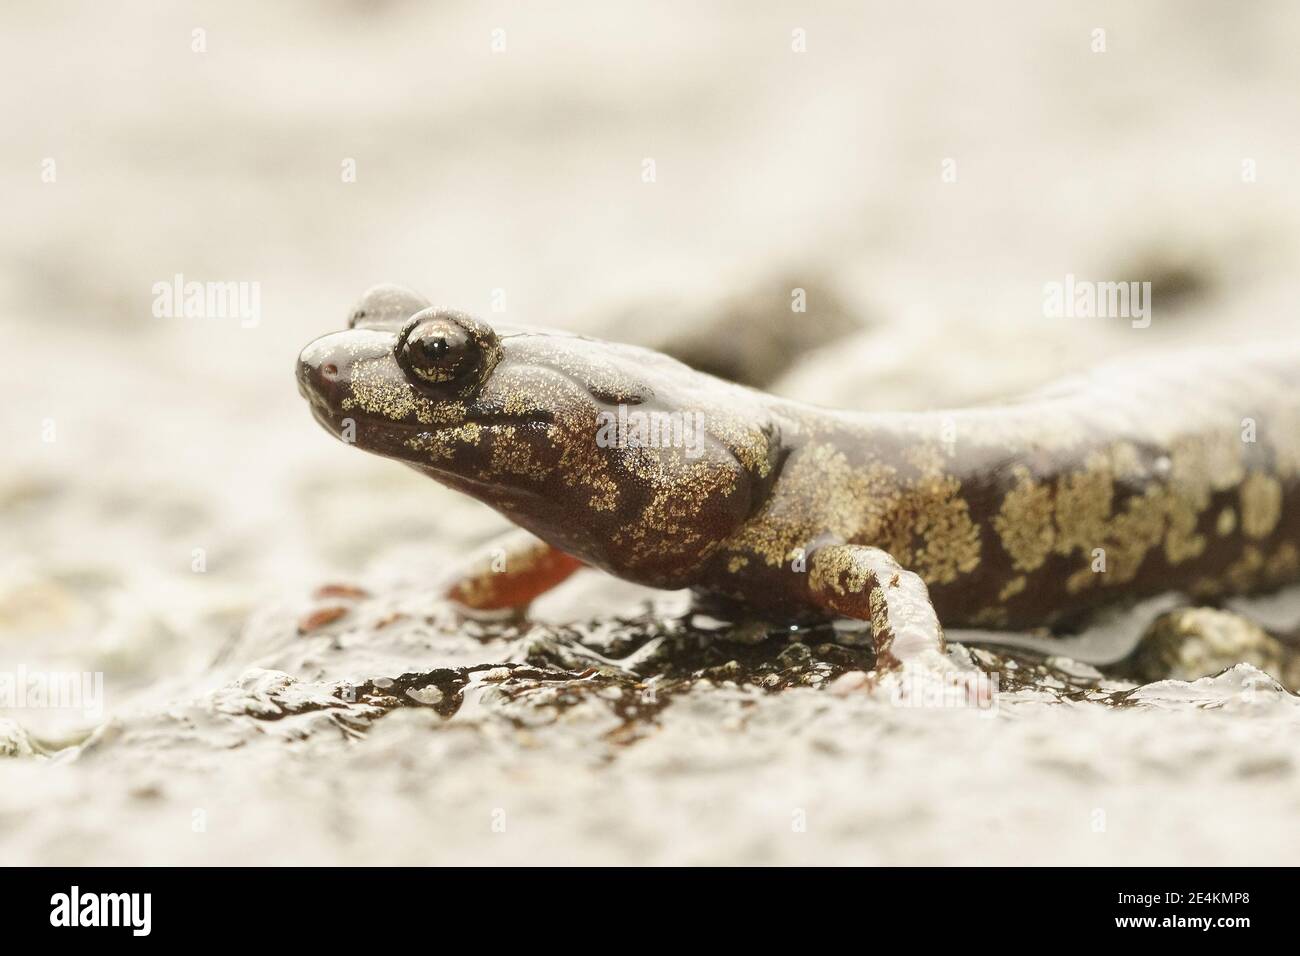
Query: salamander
point(1138, 478)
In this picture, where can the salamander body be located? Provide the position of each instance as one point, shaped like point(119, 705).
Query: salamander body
point(1136, 479)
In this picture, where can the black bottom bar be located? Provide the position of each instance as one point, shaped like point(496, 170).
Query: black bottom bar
point(319, 904)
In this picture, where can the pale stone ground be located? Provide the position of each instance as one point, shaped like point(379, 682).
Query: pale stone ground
point(521, 171)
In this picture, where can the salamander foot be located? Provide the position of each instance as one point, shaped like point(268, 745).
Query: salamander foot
point(510, 573)
point(912, 663)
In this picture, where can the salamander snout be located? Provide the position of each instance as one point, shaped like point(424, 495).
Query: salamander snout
point(326, 368)
point(318, 371)
point(377, 376)
point(315, 375)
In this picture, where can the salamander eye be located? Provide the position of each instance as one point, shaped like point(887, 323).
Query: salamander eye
point(438, 350)
point(447, 353)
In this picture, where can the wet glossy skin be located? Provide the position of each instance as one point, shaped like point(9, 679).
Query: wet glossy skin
point(1137, 480)
point(524, 440)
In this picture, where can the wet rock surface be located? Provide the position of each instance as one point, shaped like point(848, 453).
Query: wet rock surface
point(403, 732)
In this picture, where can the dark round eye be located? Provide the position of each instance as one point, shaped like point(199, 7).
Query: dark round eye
point(438, 350)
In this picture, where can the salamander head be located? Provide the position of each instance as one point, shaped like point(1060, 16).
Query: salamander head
point(618, 455)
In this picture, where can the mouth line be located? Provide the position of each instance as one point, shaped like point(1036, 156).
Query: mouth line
point(331, 416)
point(541, 416)
point(323, 414)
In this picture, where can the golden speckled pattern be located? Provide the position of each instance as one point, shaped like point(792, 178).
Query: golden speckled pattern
point(1141, 477)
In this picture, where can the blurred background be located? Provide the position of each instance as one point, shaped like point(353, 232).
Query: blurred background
point(921, 170)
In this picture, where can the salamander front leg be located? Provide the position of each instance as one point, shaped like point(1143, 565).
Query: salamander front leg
point(867, 584)
point(510, 573)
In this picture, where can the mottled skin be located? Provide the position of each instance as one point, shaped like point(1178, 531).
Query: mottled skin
point(1138, 479)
